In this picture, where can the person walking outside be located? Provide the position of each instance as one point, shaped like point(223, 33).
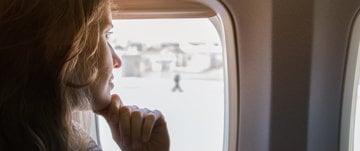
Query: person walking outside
point(177, 83)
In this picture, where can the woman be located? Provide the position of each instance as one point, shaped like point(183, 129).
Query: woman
point(55, 59)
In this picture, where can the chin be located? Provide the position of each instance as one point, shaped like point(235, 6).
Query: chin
point(100, 104)
point(101, 96)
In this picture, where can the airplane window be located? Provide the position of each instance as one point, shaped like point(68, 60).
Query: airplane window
point(354, 144)
point(350, 124)
point(357, 121)
point(177, 67)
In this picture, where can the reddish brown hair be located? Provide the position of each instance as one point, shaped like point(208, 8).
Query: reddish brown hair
point(47, 60)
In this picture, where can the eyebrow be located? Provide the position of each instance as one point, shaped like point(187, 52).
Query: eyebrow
point(109, 26)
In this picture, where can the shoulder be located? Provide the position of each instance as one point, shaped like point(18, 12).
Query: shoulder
point(91, 145)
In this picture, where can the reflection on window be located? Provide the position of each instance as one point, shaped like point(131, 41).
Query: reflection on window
point(175, 66)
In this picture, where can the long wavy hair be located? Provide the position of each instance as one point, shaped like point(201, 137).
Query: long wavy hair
point(48, 59)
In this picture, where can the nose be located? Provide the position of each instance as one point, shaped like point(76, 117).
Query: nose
point(115, 57)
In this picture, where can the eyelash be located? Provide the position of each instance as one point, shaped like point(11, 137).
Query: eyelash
point(108, 34)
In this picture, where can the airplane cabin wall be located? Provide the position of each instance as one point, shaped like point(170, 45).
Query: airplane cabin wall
point(332, 28)
point(252, 19)
point(291, 57)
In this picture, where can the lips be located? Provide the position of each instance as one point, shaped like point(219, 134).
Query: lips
point(111, 84)
point(112, 77)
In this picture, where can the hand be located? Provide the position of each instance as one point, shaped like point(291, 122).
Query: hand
point(136, 129)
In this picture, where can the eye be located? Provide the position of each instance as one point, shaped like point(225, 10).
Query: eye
point(108, 34)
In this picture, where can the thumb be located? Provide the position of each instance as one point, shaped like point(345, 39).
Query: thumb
point(110, 113)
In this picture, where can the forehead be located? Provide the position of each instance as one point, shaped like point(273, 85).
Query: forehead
point(106, 18)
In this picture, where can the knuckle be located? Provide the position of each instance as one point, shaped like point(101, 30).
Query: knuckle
point(124, 109)
point(150, 117)
point(136, 113)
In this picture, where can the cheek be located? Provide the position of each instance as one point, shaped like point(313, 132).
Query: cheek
point(102, 87)
point(101, 95)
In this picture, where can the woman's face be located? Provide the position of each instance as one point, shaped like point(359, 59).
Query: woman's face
point(108, 60)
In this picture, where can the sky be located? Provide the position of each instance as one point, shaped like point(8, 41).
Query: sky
point(164, 30)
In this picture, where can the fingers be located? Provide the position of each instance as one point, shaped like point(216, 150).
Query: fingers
point(136, 125)
point(111, 115)
point(124, 126)
point(115, 103)
point(149, 122)
point(113, 111)
point(117, 99)
point(131, 127)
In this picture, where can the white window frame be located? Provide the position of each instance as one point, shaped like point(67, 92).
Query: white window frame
point(223, 24)
point(350, 90)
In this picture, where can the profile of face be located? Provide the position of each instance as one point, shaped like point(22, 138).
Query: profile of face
point(108, 60)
